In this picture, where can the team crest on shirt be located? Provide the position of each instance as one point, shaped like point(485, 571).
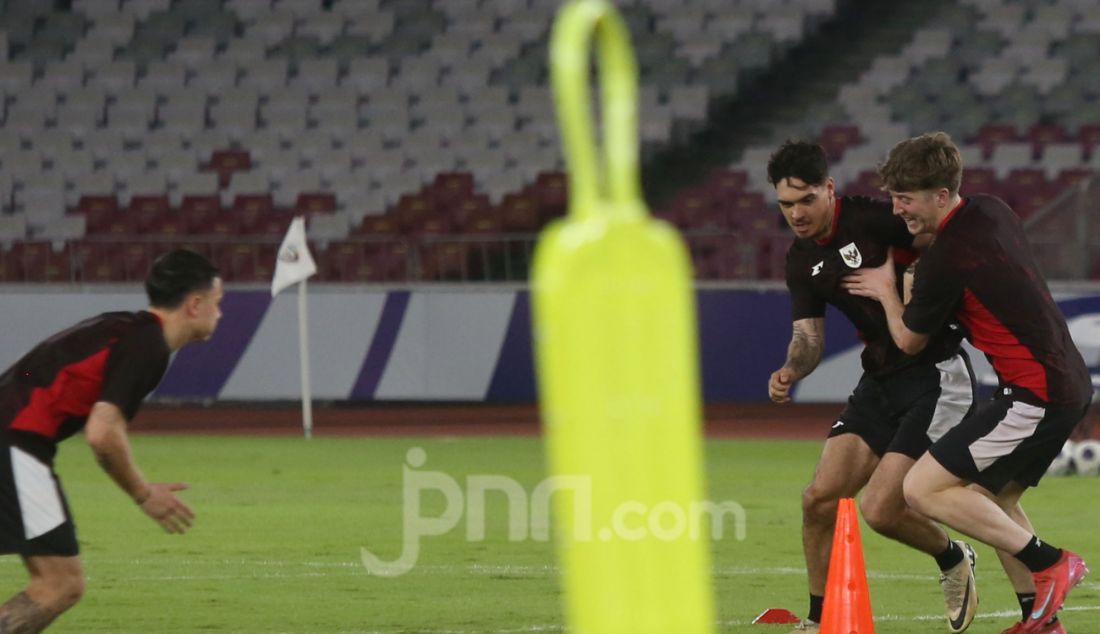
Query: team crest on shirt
point(852, 257)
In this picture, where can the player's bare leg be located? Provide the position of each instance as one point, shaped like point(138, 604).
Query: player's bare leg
point(936, 492)
point(883, 507)
point(1018, 575)
point(845, 465)
point(57, 583)
point(1009, 500)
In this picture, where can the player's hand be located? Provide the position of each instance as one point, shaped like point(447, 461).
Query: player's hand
point(161, 504)
point(874, 283)
point(779, 385)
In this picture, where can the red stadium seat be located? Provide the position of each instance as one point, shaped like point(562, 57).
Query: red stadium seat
point(135, 260)
point(315, 203)
point(225, 162)
point(726, 182)
point(978, 180)
point(751, 212)
point(100, 263)
point(342, 261)
point(392, 260)
point(253, 203)
point(168, 224)
point(429, 225)
point(836, 139)
point(551, 191)
point(200, 204)
point(519, 213)
point(238, 262)
point(993, 134)
point(149, 204)
point(1043, 134)
point(271, 224)
point(450, 188)
point(1090, 139)
point(97, 204)
point(1027, 178)
point(40, 262)
point(224, 223)
point(411, 209)
point(377, 225)
point(10, 268)
point(446, 261)
point(1070, 177)
point(199, 218)
point(483, 222)
point(473, 206)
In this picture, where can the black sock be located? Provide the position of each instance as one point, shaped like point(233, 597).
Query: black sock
point(1039, 555)
point(950, 557)
point(1027, 601)
point(816, 602)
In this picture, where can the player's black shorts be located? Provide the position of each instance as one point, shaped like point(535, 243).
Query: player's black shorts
point(905, 412)
point(1006, 440)
point(34, 515)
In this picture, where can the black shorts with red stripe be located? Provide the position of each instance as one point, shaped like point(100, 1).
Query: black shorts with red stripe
point(1007, 439)
point(34, 514)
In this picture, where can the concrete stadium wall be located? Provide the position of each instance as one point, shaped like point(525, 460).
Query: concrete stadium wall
point(453, 343)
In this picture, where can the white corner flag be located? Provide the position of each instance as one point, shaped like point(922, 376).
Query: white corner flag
point(294, 265)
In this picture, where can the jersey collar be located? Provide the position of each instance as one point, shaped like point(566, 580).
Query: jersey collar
point(951, 214)
point(836, 224)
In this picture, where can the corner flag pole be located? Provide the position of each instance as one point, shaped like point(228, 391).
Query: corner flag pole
point(293, 265)
point(303, 348)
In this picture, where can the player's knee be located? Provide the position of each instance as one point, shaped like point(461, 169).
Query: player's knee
point(916, 495)
point(880, 513)
point(818, 504)
point(73, 590)
point(62, 589)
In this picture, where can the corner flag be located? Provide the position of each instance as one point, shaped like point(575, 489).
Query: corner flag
point(294, 263)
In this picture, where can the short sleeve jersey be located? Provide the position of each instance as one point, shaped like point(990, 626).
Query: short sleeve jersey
point(863, 231)
point(47, 395)
point(981, 271)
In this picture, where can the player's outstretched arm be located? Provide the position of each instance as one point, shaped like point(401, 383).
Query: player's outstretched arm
point(106, 433)
point(803, 355)
point(880, 284)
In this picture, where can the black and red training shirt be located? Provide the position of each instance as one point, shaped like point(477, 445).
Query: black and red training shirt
point(863, 232)
point(117, 357)
point(981, 271)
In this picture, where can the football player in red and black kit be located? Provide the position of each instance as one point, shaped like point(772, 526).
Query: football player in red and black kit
point(980, 272)
point(902, 403)
point(94, 377)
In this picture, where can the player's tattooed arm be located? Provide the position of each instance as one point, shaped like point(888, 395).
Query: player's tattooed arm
point(803, 355)
point(807, 345)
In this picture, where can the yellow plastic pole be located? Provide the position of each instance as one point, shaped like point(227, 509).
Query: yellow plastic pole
point(616, 346)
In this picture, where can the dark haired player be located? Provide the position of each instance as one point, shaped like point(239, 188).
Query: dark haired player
point(92, 376)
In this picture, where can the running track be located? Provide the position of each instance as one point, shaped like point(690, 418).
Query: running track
point(733, 420)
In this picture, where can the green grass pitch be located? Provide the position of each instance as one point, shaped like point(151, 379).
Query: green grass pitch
point(281, 521)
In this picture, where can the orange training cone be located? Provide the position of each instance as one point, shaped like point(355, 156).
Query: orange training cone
point(847, 607)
